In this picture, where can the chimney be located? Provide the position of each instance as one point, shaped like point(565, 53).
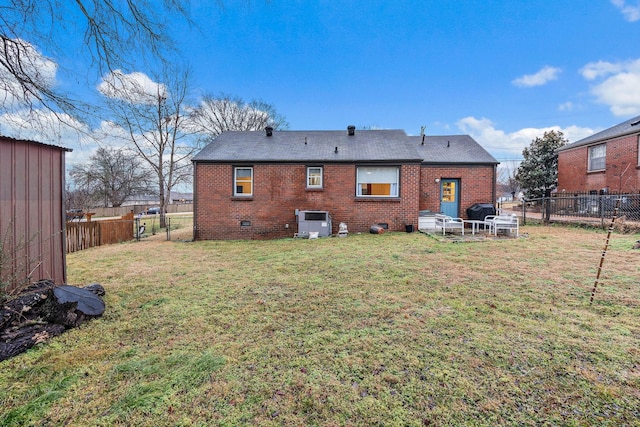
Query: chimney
point(351, 130)
point(269, 130)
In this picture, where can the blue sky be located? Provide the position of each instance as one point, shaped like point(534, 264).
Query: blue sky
point(503, 71)
point(453, 66)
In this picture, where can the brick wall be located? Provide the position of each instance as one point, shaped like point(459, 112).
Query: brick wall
point(280, 189)
point(476, 186)
point(621, 174)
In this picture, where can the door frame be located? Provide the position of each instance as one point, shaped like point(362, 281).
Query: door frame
point(452, 208)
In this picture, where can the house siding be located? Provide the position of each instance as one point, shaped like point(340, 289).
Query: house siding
point(280, 189)
point(621, 173)
point(477, 185)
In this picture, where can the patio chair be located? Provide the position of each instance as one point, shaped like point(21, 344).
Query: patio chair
point(445, 222)
point(507, 223)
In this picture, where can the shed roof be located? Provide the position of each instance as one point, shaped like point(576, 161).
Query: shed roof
point(363, 146)
point(10, 139)
point(625, 128)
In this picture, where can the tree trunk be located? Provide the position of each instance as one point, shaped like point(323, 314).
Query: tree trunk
point(43, 311)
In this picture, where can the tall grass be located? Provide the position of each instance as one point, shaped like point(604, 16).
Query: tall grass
point(391, 329)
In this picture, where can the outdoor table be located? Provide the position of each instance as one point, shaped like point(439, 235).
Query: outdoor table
point(475, 225)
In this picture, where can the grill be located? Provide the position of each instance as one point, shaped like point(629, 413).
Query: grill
point(479, 211)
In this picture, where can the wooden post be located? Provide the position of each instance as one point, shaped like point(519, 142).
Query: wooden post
point(604, 251)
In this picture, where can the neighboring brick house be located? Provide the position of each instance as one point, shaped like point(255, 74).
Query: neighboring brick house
point(250, 185)
point(606, 161)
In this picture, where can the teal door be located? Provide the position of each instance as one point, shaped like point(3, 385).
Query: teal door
point(450, 197)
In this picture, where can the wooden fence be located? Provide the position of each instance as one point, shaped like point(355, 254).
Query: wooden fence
point(122, 210)
point(84, 235)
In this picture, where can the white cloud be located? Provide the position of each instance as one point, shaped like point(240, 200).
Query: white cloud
point(133, 87)
point(594, 70)
point(61, 130)
point(542, 77)
point(616, 85)
point(507, 145)
point(630, 13)
point(566, 106)
point(23, 56)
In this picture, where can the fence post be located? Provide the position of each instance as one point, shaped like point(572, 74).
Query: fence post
point(601, 207)
point(546, 203)
point(524, 211)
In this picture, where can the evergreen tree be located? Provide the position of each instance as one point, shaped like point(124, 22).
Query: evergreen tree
point(538, 172)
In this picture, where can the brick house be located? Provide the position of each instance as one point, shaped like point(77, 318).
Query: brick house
point(251, 185)
point(608, 160)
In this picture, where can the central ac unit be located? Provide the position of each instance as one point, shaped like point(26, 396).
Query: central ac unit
point(314, 221)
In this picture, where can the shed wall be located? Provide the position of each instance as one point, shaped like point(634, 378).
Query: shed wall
point(32, 217)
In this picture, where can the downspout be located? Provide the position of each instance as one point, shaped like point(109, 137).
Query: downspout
point(195, 198)
point(494, 185)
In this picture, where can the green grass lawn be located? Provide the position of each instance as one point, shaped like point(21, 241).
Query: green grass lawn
point(391, 329)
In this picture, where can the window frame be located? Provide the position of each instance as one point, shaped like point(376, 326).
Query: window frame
point(392, 185)
point(235, 181)
point(315, 186)
point(590, 160)
point(638, 150)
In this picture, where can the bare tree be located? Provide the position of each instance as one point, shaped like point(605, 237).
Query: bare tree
point(152, 118)
point(507, 177)
point(217, 114)
point(76, 197)
point(116, 35)
point(111, 176)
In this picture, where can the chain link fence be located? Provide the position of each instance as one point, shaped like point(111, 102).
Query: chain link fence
point(583, 207)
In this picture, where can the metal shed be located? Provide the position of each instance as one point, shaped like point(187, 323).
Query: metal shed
point(32, 217)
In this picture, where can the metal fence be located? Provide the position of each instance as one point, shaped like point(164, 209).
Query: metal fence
point(590, 208)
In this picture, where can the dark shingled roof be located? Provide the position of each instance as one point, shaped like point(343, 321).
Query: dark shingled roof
point(624, 128)
point(289, 146)
point(452, 149)
point(363, 146)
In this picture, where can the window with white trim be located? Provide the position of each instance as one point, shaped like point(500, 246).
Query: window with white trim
point(377, 181)
point(638, 150)
point(243, 181)
point(314, 177)
point(598, 157)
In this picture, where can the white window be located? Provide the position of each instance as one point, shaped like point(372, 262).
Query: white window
point(638, 150)
point(598, 157)
point(377, 181)
point(314, 177)
point(243, 180)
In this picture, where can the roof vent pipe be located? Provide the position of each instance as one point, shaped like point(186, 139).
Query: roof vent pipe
point(336, 150)
point(269, 130)
point(351, 130)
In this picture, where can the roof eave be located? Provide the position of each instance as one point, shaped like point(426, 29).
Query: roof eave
point(476, 163)
point(579, 144)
